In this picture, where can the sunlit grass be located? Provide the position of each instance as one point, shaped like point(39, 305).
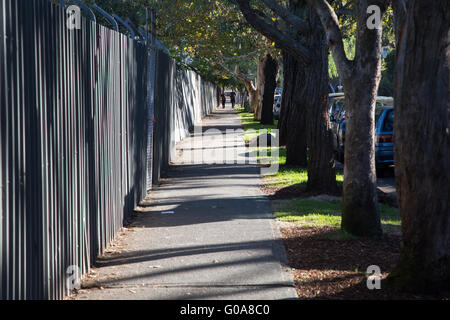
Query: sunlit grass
point(285, 176)
point(306, 212)
point(251, 126)
point(271, 155)
point(252, 129)
point(320, 213)
point(293, 176)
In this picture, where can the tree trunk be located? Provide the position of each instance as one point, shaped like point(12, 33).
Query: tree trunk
point(292, 115)
point(250, 88)
point(422, 145)
point(304, 118)
point(308, 52)
point(260, 79)
point(360, 78)
point(360, 214)
point(243, 99)
point(270, 76)
point(314, 97)
point(289, 74)
point(252, 95)
point(218, 93)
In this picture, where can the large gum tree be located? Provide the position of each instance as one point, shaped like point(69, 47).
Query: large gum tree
point(422, 144)
point(307, 45)
point(360, 78)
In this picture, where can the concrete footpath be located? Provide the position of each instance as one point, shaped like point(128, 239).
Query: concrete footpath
point(207, 232)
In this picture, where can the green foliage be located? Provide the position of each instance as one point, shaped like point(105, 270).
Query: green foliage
point(386, 87)
point(212, 38)
point(388, 36)
point(349, 46)
point(348, 27)
point(208, 36)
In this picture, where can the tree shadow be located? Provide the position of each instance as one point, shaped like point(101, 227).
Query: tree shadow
point(238, 272)
point(317, 248)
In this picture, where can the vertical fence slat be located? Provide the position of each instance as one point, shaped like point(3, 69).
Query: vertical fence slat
point(3, 211)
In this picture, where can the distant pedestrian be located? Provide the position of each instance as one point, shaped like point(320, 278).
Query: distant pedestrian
point(224, 99)
point(233, 98)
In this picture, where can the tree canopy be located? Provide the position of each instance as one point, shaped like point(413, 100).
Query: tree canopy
point(208, 36)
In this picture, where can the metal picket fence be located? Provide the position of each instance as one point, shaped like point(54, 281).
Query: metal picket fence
point(182, 99)
point(72, 131)
point(86, 128)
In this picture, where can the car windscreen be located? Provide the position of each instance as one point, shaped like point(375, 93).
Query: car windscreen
point(378, 111)
point(379, 107)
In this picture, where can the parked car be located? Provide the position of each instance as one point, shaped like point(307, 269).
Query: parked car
point(384, 128)
point(384, 135)
point(276, 106)
point(337, 121)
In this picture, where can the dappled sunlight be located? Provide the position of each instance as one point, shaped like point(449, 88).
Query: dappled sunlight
point(319, 213)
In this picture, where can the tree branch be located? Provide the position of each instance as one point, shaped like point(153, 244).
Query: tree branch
point(299, 24)
point(281, 39)
point(334, 36)
point(242, 77)
point(399, 7)
point(250, 54)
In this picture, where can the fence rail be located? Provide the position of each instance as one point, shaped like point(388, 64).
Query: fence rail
point(77, 142)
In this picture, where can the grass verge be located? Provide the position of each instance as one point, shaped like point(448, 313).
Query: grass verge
point(305, 212)
point(251, 126)
point(327, 213)
point(326, 262)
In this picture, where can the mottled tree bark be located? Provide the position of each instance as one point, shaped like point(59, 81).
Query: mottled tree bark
point(270, 83)
point(360, 214)
point(251, 90)
point(292, 123)
point(422, 145)
point(307, 131)
point(260, 79)
point(313, 96)
point(360, 78)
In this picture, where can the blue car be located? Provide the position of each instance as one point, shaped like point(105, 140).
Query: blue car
point(384, 136)
point(384, 126)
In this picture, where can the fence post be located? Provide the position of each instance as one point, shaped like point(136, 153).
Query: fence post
point(151, 56)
